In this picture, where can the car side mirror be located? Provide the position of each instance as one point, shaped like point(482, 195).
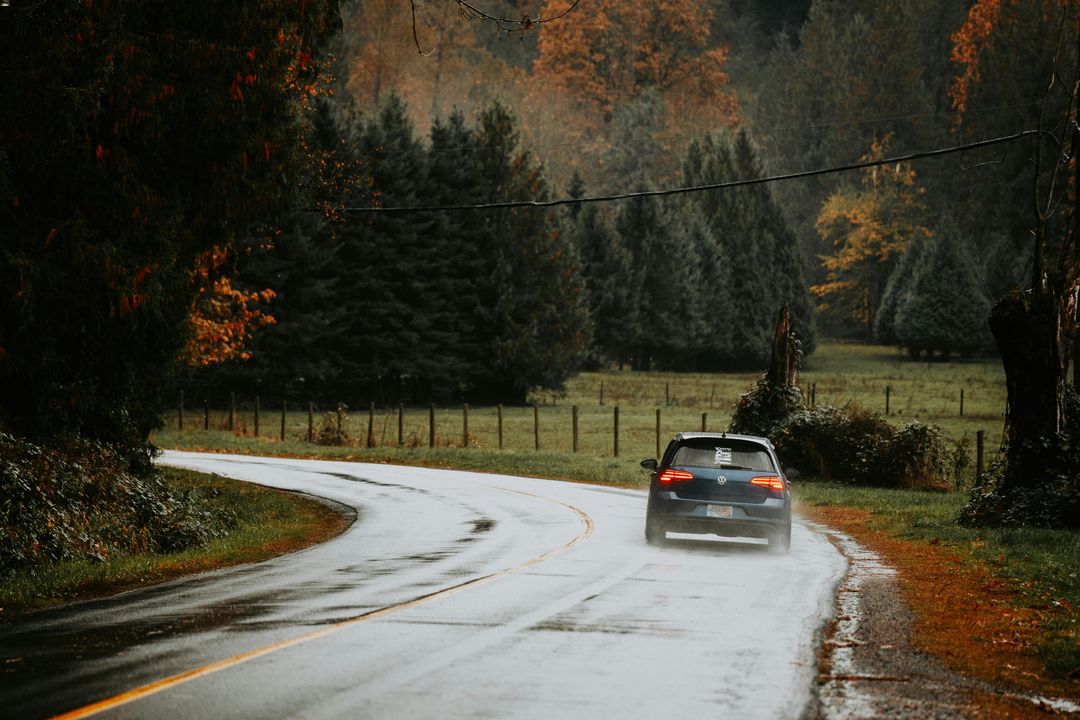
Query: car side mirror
point(792, 474)
point(649, 464)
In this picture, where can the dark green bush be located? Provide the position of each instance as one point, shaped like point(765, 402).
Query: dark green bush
point(853, 445)
point(1052, 496)
point(764, 409)
point(1051, 501)
point(848, 444)
point(88, 501)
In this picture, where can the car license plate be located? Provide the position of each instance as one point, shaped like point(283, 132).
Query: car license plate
point(718, 511)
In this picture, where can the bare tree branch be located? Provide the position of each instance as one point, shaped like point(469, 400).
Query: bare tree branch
point(469, 11)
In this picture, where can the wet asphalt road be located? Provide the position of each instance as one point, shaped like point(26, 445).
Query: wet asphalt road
point(453, 595)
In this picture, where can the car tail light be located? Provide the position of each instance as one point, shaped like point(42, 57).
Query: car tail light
point(670, 477)
point(770, 482)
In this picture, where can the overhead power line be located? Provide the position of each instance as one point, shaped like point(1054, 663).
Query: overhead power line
point(702, 188)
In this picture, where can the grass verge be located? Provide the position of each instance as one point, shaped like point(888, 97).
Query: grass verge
point(622, 471)
point(268, 523)
point(997, 604)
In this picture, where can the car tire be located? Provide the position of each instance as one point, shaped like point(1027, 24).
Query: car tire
point(780, 542)
point(654, 531)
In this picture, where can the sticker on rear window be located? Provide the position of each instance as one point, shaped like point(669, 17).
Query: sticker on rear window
point(723, 456)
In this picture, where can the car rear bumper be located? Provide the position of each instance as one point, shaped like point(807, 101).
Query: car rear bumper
point(760, 520)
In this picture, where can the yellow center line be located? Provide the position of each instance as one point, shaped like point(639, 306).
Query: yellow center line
point(172, 681)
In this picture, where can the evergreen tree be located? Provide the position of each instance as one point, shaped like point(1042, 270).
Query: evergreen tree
point(897, 290)
point(944, 311)
point(609, 278)
point(391, 332)
point(295, 354)
point(539, 329)
point(668, 274)
point(464, 247)
point(763, 266)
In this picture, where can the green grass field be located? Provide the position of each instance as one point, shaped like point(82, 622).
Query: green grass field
point(839, 374)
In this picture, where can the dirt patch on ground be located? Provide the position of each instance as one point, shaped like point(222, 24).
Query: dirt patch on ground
point(961, 644)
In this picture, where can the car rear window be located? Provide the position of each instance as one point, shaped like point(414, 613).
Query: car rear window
point(722, 452)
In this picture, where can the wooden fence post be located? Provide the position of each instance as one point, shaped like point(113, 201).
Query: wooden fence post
point(257, 416)
point(431, 426)
point(657, 432)
point(979, 438)
point(232, 410)
point(500, 427)
point(371, 425)
point(284, 409)
point(465, 425)
point(536, 426)
point(616, 431)
point(181, 423)
point(206, 415)
point(888, 392)
point(310, 421)
point(961, 402)
point(340, 419)
point(573, 411)
point(400, 424)
point(704, 422)
point(601, 393)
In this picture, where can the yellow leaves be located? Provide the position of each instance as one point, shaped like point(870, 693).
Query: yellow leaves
point(870, 227)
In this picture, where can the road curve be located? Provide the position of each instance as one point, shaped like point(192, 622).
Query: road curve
point(454, 594)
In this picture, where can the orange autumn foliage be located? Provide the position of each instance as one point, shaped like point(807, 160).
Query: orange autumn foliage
point(870, 227)
point(614, 51)
point(987, 24)
point(968, 43)
point(223, 318)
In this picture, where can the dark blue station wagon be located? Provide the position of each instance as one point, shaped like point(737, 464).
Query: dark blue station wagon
point(719, 483)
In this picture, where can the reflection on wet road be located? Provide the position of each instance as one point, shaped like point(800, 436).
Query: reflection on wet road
point(453, 595)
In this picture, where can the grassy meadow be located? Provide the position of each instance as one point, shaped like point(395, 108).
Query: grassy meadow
point(839, 373)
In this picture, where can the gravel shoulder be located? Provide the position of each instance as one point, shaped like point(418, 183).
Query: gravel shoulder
point(870, 667)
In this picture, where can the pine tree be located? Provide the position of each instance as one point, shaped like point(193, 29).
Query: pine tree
point(668, 273)
point(463, 246)
point(763, 266)
point(539, 329)
point(391, 331)
point(944, 311)
point(897, 290)
point(609, 278)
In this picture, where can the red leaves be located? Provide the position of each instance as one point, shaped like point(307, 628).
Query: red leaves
point(234, 91)
point(251, 53)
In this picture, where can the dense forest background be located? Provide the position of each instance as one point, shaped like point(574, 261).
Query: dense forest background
point(622, 98)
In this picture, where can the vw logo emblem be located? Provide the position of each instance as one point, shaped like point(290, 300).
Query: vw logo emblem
point(721, 480)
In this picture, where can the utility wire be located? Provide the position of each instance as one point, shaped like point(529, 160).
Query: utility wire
point(701, 188)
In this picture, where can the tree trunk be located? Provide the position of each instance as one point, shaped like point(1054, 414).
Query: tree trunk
point(783, 361)
point(1026, 329)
